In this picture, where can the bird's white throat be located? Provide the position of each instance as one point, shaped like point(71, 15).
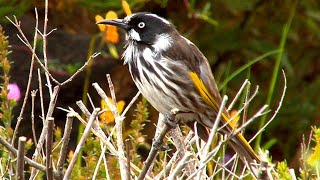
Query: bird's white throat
point(133, 35)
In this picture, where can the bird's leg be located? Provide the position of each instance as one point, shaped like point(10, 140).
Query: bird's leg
point(170, 122)
point(170, 118)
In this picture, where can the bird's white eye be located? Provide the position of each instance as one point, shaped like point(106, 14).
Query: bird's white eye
point(141, 25)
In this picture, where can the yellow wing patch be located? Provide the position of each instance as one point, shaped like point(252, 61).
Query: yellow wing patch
point(209, 99)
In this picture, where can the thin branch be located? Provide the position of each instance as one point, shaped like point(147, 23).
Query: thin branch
point(81, 142)
point(32, 163)
point(65, 143)
point(20, 157)
point(277, 110)
point(101, 157)
point(182, 149)
point(118, 125)
point(44, 131)
point(44, 46)
point(33, 95)
point(130, 104)
point(127, 142)
point(180, 166)
point(246, 105)
point(156, 142)
point(80, 69)
point(49, 142)
point(96, 129)
point(19, 119)
point(237, 95)
point(41, 95)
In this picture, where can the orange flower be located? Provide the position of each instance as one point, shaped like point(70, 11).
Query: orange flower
point(102, 27)
point(110, 32)
point(107, 116)
point(126, 7)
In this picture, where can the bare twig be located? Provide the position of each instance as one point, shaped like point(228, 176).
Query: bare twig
point(41, 96)
point(65, 143)
point(26, 159)
point(130, 104)
point(102, 156)
point(127, 142)
point(237, 95)
point(44, 46)
point(33, 95)
point(155, 143)
point(181, 148)
point(96, 129)
point(213, 131)
point(180, 166)
point(277, 110)
point(44, 131)
point(81, 142)
point(118, 126)
point(246, 105)
point(20, 158)
point(19, 119)
point(50, 121)
point(80, 69)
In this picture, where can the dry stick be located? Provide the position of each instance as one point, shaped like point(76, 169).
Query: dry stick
point(94, 55)
point(237, 95)
point(180, 166)
point(118, 125)
point(130, 104)
point(65, 143)
point(33, 95)
point(246, 105)
point(50, 121)
point(44, 131)
point(111, 87)
point(153, 152)
point(213, 130)
point(44, 45)
point(19, 119)
point(96, 129)
point(181, 148)
point(25, 41)
point(277, 110)
point(81, 142)
point(128, 158)
point(32, 163)
point(38, 148)
point(101, 157)
point(20, 158)
point(167, 167)
point(241, 109)
point(41, 96)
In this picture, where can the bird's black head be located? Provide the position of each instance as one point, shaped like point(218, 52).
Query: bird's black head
point(143, 27)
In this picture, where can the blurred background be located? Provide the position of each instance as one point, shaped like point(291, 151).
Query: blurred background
point(230, 33)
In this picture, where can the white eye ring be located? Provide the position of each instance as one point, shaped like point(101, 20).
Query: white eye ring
point(141, 25)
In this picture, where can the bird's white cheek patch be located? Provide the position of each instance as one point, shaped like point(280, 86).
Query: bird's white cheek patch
point(162, 43)
point(134, 35)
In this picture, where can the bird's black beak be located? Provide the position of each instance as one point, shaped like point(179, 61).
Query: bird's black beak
point(115, 22)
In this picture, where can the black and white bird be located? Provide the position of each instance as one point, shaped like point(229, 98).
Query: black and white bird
point(171, 72)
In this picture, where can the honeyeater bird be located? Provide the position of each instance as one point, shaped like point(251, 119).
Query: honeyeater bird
point(171, 72)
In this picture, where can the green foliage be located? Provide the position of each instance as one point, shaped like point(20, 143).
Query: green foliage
point(283, 171)
point(14, 7)
point(6, 105)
